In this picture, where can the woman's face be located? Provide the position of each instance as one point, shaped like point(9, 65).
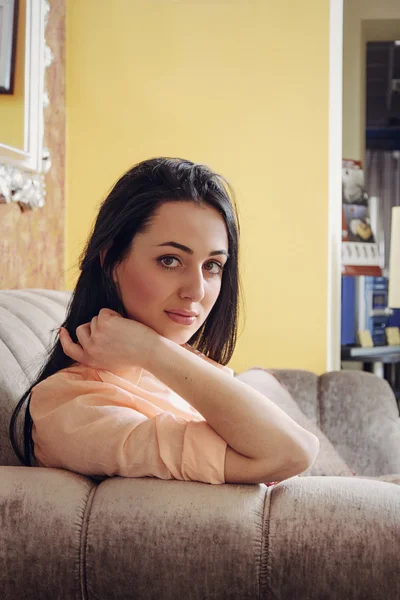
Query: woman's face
point(157, 276)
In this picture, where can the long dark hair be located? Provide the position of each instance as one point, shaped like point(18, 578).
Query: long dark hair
point(126, 211)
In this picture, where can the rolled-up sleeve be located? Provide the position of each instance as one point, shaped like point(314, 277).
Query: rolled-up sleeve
point(201, 455)
point(90, 428)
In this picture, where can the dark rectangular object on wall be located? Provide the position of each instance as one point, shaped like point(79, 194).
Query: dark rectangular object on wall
point(348, 325)
point(8, 45)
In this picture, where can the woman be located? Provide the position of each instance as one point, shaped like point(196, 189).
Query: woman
point(132, 387)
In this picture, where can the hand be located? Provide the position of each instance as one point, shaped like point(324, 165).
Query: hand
point(110, 342)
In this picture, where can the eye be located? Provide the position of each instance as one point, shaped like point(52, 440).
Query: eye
point(214, 264)
point(168, 258)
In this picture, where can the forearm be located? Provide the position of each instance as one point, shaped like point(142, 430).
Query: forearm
point(249, 422)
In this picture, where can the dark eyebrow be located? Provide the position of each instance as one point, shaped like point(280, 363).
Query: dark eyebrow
point(190, 251)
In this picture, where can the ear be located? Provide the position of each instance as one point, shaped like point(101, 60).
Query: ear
point(103, 255)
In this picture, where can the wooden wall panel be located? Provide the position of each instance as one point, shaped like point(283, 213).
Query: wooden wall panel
point(32, 242)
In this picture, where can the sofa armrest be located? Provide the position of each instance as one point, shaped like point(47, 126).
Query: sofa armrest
point(148, 538)
point(359, 414)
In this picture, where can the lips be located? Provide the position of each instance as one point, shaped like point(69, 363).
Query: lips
point(181, 319)
point(183, 313)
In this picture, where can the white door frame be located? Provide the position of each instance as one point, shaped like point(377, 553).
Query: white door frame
point(335, 184)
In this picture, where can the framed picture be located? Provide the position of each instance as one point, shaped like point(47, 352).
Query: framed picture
point(8, 44)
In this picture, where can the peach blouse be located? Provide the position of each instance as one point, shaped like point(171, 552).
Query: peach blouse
point(94, 422)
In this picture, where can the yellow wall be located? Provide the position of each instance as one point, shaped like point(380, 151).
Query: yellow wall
point(12, 105)
point(243, 87)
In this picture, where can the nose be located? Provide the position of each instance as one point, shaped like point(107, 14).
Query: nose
point(193, 286)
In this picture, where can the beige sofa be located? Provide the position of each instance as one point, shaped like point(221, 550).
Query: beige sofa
point(324, 534)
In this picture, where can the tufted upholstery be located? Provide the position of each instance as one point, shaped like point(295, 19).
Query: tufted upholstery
point(27, 318)
point(65, 536)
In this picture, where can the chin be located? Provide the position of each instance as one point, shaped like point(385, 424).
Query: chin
point(180, 334)
point(178, 338)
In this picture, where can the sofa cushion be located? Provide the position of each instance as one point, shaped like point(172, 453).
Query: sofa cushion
point(391, 478)
point(328, 461)
point(27, 321)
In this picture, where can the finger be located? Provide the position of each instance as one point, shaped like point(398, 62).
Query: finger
point(83, 334)
point(108, 312)
point(93, 326)
point(71, 349)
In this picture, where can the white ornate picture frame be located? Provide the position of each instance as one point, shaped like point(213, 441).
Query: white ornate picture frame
point(22, 169)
